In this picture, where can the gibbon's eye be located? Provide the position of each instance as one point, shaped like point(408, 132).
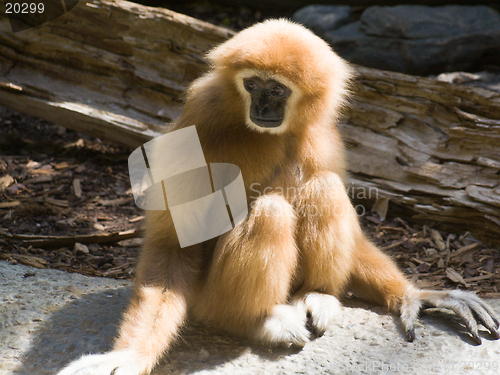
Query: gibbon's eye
point(278, 90)
point(250, 85)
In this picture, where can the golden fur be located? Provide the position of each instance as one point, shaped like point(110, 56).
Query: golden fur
point(295, 252)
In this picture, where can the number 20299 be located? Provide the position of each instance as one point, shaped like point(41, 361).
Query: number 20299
point(24, 8)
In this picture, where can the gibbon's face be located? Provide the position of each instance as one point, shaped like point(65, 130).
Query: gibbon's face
point(268, 99)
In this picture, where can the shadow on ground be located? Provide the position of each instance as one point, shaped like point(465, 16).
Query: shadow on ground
point(90, 323)
point(51, 313)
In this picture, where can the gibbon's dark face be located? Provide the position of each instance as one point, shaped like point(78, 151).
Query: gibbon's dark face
point(269, 98)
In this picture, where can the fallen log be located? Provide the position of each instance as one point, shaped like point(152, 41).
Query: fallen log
point(117, 70)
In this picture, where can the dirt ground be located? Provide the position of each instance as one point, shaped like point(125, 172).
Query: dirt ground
point(66, 203)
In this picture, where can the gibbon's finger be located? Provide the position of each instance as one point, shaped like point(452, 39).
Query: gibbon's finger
point(409, 314)
point(482, 316)
point(481, 311)
point(462, 310)
point(488, 308)
point(493, 331)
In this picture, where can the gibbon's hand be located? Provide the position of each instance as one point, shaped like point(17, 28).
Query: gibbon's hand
point(467, 305)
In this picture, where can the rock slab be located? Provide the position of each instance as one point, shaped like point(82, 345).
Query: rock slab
point(49, 317)
point(411, 39)
point(323, 18)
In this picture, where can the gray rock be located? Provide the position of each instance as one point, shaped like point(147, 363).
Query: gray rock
point(53, 317)
point(323, 18)
point(419, 39)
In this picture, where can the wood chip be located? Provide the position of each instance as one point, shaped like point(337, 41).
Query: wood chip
point(395, 244)
point(438, 240)
point(479, 278)
point(5, 182)
point(80, 248)
point(489, 266)
point(33, 164)
point(60, 241)
point(99, 226)
point(132, 242)
point(29, 260)
point(57, 202)
point(9, 204)
point(79, 143)
point(455, 277)
point(465, 249)
point(440, 263)
point(44, 170)
point(80, 168)
point(115, 202)
point(136, 219)
point(380, 207)
point(64, 165)
point(39, 179)
point(77, 189)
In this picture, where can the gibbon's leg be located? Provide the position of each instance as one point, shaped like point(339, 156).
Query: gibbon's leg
point(327, 232)
point(165, 279)
point(249, 279)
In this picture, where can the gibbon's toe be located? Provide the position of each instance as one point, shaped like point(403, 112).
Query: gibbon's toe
point(322, 309)
point(112, 363)
point(284, 325)
point(469, 308)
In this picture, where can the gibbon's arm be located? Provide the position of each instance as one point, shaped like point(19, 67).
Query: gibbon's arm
point(166, 275)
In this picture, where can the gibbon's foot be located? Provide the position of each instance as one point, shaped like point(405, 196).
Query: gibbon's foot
point(112, 363)
point(284, 325)
point(467, 305)
point(321, 308)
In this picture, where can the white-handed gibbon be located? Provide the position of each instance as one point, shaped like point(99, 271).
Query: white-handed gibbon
point(268, 105)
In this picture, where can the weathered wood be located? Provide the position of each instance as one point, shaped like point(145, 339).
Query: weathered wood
point(113, 69)
point(432, 148)
point(117, 70)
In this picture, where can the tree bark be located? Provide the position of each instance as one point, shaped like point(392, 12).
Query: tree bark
point(117, 70)
point(113, 69)
point(431, 147)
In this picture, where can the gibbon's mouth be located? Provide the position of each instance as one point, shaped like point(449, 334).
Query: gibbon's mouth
point(266, 123)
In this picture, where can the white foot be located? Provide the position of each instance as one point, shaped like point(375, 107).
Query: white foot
point(323, 308)
point(285, 325)
point(112, 363)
